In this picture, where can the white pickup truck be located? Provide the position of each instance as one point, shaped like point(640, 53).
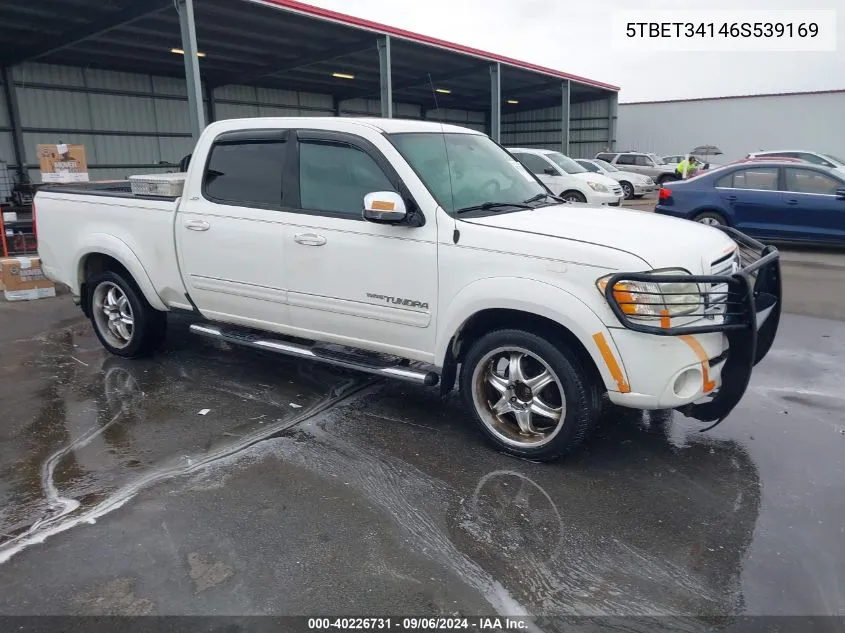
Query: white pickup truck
point(427, 253)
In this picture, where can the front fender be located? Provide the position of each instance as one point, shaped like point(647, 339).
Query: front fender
point(105, 244)
point(541, 299)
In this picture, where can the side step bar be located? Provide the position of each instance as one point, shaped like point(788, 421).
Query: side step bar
point(347, 361)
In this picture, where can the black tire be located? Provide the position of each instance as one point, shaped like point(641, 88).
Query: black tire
point(579, 407)
point(712, 218)
point(627, 189)
point(573, 196)
point(662, 180)
point(148, 325)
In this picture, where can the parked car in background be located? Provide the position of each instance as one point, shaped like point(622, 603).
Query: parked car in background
point(633, 185)
point(816, 158)
point(650, 165)
point(768, 200)
point(567, 178)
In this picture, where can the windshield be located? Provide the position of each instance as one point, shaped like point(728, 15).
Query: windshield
point(565, 163)
point(657, 160)
point(834, 159)
point(606, 166)
point(466, 170)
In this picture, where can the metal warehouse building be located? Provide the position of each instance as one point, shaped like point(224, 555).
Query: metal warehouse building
point(134, 81)
point(736, 125)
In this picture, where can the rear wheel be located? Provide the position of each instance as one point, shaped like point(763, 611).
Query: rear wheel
point(573, 196)
point(530, 397)
point(627, 189)
point(711, 218)
point(126, 324)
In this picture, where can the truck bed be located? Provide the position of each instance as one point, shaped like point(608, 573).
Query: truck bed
point(108, 188)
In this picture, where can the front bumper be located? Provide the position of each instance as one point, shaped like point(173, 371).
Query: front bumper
point(749, 322)
point(606, 199)
point(641, 189)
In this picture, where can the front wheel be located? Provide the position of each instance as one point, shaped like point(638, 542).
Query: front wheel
point(126, 324)
point(530, 397)
point(627, 189)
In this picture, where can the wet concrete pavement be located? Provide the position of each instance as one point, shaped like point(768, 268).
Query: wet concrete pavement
point(305, 490)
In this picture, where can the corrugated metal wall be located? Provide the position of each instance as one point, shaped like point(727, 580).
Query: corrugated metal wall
point(588, 128)
point(736, 125)
point(7, 148)
point(129, 122)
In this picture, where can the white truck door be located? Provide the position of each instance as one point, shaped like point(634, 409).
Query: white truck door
point(351, 281)
point(230, 233)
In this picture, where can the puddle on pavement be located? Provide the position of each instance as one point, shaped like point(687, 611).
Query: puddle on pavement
point(83, 424)
point(650, 518)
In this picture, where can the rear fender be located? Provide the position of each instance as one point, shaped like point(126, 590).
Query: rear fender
point(105, 244)
point(538, 298)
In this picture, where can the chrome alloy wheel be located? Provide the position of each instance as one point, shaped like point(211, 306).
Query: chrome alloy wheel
point(113, 314)
point(518, 397)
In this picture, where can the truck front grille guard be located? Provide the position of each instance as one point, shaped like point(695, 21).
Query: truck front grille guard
point(748, 314)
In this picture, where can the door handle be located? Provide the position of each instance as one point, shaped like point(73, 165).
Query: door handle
point(309, 239)
point(731, 198)
point(197, 225)
point(792, 201)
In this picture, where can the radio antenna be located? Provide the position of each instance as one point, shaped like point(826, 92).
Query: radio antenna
point(456, 234)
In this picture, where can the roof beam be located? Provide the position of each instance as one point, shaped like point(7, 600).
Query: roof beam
point(421, 80)
point(50, 44)
point(287, 64)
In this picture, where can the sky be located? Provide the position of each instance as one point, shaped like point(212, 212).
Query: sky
point(575, 37)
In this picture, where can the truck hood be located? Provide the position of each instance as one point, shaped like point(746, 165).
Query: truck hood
point(660, 241)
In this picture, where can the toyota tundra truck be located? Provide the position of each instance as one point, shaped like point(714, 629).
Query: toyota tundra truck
point(421, 252)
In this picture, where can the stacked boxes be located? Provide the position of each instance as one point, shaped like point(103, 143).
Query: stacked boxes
point(21, 279)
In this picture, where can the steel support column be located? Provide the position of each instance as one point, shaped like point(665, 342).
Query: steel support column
point(612, 116)
point(385, 80)
point(192, 66)
point(15, 121)
point(211, 102)
point(496, 102)
point(564, 117)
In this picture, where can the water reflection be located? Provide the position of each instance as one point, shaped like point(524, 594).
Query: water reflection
point(99, 419)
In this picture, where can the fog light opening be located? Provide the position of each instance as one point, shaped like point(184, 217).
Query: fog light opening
point(688, 383)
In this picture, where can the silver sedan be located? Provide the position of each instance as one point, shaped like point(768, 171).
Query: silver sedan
point(633, 185)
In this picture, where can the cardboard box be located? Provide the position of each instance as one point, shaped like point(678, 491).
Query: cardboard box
point(62, 163)
point(21, 279)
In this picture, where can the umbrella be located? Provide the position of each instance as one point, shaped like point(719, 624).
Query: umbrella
point(706, 150)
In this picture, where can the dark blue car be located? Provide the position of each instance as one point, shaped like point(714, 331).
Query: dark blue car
point(769, 200)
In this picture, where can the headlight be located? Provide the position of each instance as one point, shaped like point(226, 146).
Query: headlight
point(648, 181)
point(655, 299)
point(597, 186)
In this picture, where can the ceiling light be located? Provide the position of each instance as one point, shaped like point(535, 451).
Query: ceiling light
point(343, 76)
point(443, 91)
point(513, 101)
point(179, 51)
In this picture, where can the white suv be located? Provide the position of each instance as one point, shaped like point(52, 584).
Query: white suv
point(567, 178)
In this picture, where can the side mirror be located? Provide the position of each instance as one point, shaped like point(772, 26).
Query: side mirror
point(550, 171)
point(385, 207)
point(840, 193)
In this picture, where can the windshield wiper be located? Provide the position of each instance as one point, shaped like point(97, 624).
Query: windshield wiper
point(540, 196)
point(494, 206)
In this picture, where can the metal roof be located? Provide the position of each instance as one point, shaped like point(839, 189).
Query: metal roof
point(274, 43)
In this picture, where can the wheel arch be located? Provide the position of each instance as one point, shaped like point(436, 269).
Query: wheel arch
point(715, 210)
point(106, 252)
point(479, 309)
